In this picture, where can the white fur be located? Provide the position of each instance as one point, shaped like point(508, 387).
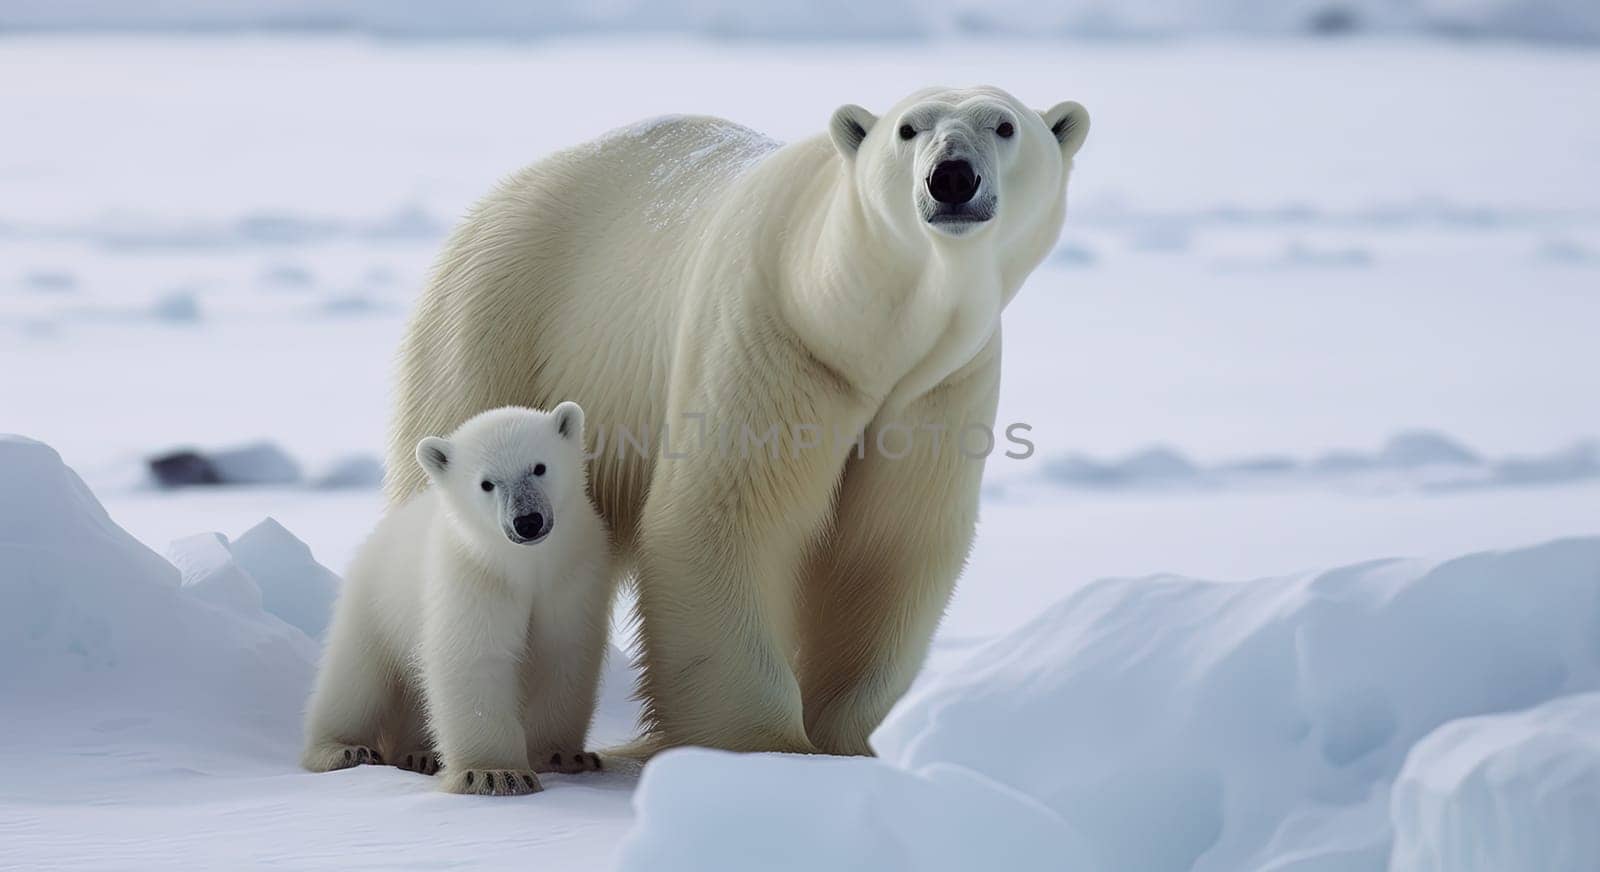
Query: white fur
point(691, 266)
point(450, 640)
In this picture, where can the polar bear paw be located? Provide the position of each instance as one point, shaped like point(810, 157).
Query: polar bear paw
point(570, 762)
point(491, 782)
point(327, 758)
point(425, 762)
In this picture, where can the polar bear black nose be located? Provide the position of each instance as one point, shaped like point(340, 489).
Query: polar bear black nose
point(529, 526)
point(953, 182)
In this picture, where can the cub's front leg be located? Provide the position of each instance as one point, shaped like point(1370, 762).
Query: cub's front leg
point(473, 643)
point(566, 650)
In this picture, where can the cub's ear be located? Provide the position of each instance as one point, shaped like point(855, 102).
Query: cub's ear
point(849, 126)
point(569, 420)
point(1069, 122)
point(434, 455)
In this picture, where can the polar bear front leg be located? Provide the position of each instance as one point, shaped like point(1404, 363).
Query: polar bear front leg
point(562, 676)
point(473, 646)
point(721, 540)
point(409, 745)
point(878, 585)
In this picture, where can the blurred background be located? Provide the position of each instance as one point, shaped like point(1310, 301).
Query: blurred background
point(1329, 286)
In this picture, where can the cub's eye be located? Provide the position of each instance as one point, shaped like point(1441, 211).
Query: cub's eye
point(1005, 130)
point(538, 469)
point(908, 132)
point(487, 485)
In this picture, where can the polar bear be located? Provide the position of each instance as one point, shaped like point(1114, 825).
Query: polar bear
point(472, 626)
point(688, 273)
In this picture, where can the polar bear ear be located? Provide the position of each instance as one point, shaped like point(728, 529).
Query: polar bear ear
point(850, 125)
point(434, 455)
point(569, 420)
point(1069, 122)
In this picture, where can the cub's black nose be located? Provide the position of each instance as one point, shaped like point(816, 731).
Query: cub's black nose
point(529, 526)
point(953, 182)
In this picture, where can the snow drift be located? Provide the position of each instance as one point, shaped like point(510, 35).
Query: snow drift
point(1419, 460)
point(1515, 791)
point(210, 571)
point(266, 568)
point(712, 810)
point(1172, 724)
point(256, 463)
point(97, 629)
point(294, 586)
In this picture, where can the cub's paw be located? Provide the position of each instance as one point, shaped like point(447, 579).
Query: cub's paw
point(570, 762)
point(327, 758)
point(426, 762)
point(491, 782)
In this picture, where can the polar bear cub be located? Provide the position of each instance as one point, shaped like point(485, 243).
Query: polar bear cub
point(472, 626)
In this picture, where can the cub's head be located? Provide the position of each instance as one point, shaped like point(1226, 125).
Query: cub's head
point(508, 473)
point(958, 163)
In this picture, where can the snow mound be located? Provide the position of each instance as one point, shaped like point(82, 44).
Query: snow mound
point(703, 810)
point(1426, 448)
point(51, 281)
point(99, 635)
point(356, 471)
point(1516, 791)
point(256, 463)
point(210, 571)
point(1577, 463)
point(1417, 460)
point(294, 586)
point(50, 525)
point(268, 568)
point(287, 276)
point(1175, 725)
point(1261, 721)
point(176, 307)
point(1154, 467)
point(251, 464)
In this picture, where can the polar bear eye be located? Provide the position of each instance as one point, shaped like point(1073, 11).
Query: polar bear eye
point(487, 485)
point(1005, 130)
point(538, 469)
point(907, 132)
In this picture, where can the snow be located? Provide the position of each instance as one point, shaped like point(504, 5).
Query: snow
point(1274, 724)
point(152, 716)
point(109, 655)
point(1261, 719)
point(1311, 310)
point(352, 471)
point(293, 585)
point(1413, 460)
point(702, 811)
point(254, 463)
point(1261, 725)
point(1510, 791)
point(211, 572)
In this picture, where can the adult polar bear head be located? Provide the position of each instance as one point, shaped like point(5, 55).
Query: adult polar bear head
point(951, 199)
point(958, 163)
